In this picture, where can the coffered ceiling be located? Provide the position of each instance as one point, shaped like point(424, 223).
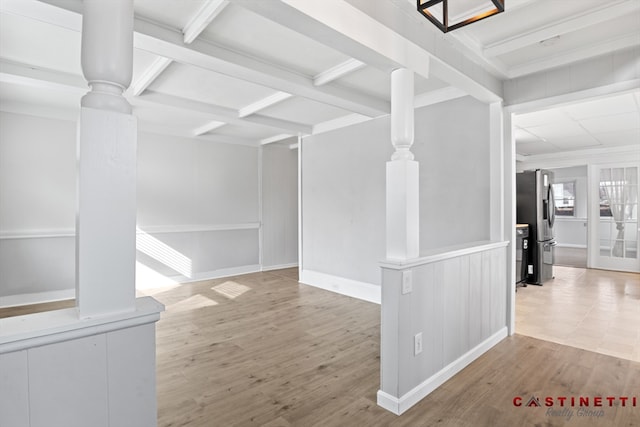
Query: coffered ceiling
point(247, 72)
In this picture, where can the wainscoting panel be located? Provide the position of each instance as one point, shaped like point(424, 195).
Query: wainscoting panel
point(458, 304)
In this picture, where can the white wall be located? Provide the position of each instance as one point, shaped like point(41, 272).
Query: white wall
point(198, 207)
point(199, 201)
point(279, 206)
point(37, 198)
point(343, 182)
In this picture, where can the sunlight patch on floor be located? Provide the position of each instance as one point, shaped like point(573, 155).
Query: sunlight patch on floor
point(231, 289)
point(192, 303)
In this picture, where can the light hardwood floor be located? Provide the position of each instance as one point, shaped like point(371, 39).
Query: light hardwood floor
point(262, 350)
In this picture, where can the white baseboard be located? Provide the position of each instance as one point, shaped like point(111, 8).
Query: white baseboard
point(37, 298)
point(50, 296)
point(217, 274)
point(400, 405)
point(352, 288)
point(278, 267)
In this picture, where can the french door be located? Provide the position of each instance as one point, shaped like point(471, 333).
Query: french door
point(613, 217)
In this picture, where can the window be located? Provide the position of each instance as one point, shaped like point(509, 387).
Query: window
point(605, 208)
point(564, 195)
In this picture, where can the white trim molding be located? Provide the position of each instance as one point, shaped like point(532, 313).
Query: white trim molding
point(217, 274)
point(351, 288)
point(150, 229)
point(34, 330)
point(413, 396)
point(37, 298)
point(279, 266)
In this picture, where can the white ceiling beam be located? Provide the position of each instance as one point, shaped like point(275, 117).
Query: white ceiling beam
point(280, 12)
point(149, 75)
point(207, 13)
point(223, 114)
point(50, 13)
point(609, 10)
point(340, 70)
point(162, 41)
point(565, 58)
point(275, 138)
point(44, 78)
point(437, 96)
point(286, 125)
point(29, 75)
point(46, 111)
point(340, 122)
point(473, 49)
point(263, 103)
point(196, 25)
point(342, 26)
point(169, 130)
point(208, 127)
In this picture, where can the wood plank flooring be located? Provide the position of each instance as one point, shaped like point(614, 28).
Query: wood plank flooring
point(36, 308)
point(262, 350)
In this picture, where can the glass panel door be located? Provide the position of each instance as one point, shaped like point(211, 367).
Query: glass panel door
point(615, 211)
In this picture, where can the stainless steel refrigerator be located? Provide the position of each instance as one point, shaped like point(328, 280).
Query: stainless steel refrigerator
point(535, 206)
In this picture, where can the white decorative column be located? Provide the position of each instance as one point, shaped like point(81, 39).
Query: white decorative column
point(403, 231)
point(403, 236)
point(107, 136)
point(94, 365)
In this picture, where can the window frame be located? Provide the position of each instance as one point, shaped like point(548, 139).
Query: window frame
point(557, 199)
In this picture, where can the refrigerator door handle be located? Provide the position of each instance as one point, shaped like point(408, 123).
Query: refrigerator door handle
point(551, 207)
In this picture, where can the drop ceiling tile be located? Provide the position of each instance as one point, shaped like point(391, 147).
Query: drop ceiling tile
point(522, 136)
point(612, 123)
point(574, 142)
point(602, 107)
point(539, 118)
point(533, 148)
point(625, 137)
point(563, 129)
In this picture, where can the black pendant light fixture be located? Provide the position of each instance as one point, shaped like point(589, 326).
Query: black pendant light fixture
point(445, 15)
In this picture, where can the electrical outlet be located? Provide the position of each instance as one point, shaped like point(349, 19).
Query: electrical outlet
point(407, 282)
point(417, 344)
